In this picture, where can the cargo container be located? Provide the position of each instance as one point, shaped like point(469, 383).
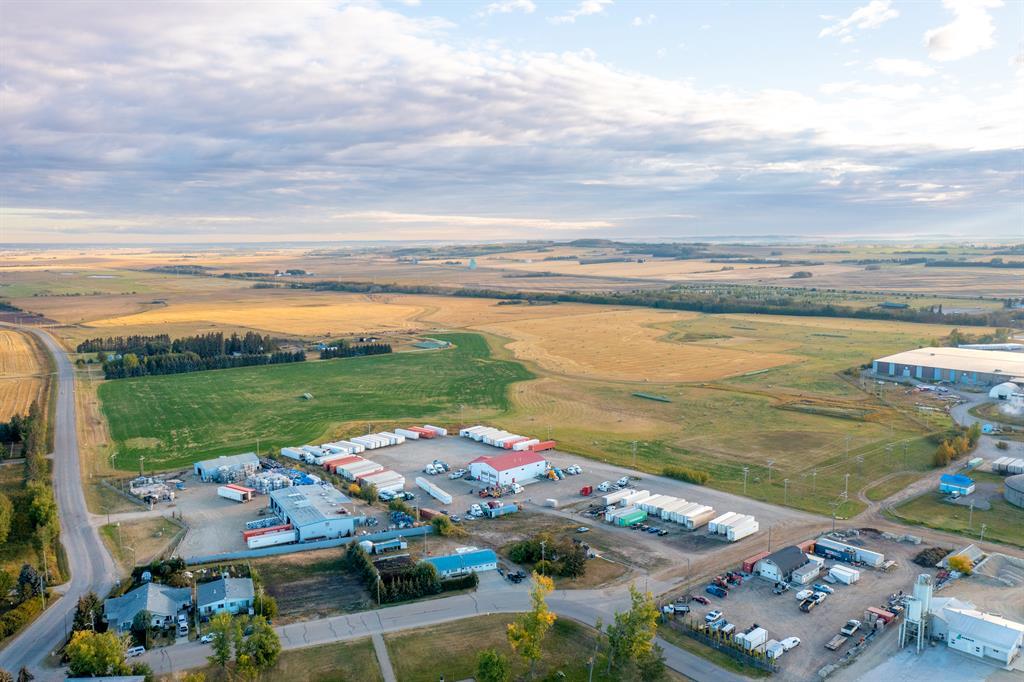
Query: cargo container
point(633, 517)
point(525, 445)
point(752, 638)
point(294, 453)
point(466, 432)
point(350, 471)
point(386, 481)
point(394, 437)
point(748, 563)
point(238, 493)
point(356, 448)
point(675, 514)
point(333, 465)
point(872, 614)
point(500, 510)
point(440, 431)
point(635, 495)
point(698, 517)
point(411, 435)
point(510, 444)
point(433, 490)
point(272, 539)
point(651, 502)
point(724, 518)
point(834, 549)
point(615, 496)
point(614, 512)
point(367, 442)
point(424, 433)
point(844, 574)
point(428, 514)
point(246, 534)
point(741, 529)
point(666, 511)
point(542, 446)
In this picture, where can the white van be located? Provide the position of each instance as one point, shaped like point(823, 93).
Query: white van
point(135, 651)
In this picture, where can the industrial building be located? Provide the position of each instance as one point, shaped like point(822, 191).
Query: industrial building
point(162, 602)
point(966, 366)
point(956, 484)
point(316, 512)
point(475, 561)
point(780, 564)
point(1013, 490)
point(233, 595)
point(1008, 390)
point(983, 635)
point(512, 467)
point(228, 468)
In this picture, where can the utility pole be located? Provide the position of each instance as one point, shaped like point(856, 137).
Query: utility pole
point(846, 485)
point(542, 544)
point(814, 482)
point(770, 538)
point(970, 516)
point(904, 455)
point(785, 491)
point(634, 454)
point(142, 465)
point(847, 447)
point(257, 446)
point(745, 471)
point(860, 465)
point(982, 538)
point(771, 463)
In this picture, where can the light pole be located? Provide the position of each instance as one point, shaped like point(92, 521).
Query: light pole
point(634, 454)
point(771, 463)
point(785, 491)
point(846, 485)
point(970, 516)
point(814, 482)
point(745, 471)
point(982, 538)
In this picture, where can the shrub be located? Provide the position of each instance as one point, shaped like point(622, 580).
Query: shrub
point(962, 564)
point(19, 616)
point(686, 474)
point(1002, 445)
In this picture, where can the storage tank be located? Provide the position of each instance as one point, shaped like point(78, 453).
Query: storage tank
point(1013, 490)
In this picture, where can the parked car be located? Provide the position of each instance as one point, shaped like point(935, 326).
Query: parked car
point(717, 590)
point(582, 529)
point(653, 529)
point(700, 600)
point(605, 486)
point(819, 597)
point(662, 532)
point(622, 482)
point(780, 588)
point(713, 617)
point(206, 639)
point(134, 651)
point(851, 627)
point(790, 643)
point(818, 587)
point(458, 473)
point(804, 594)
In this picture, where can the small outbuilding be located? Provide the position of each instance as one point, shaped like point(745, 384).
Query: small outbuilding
point(1005, 390)
point(475, 561)
point(780, 564)
point(956, 484)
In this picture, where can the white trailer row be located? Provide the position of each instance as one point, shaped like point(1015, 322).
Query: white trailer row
point(733, 526)
point(498, 438)
point(409, 435)
point(362, 466)
point(439, 430)
point(1008, 465)
point(691, 515)
point(345, 447)
point(844, 574)
point(611, 514)
point(372, 441)
point(385, 480)
point(433, 490)
point(271, 539)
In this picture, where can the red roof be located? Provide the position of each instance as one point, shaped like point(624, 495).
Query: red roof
point(510, 460)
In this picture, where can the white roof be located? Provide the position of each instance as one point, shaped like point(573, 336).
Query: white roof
point(977, 625)
point(962, 360)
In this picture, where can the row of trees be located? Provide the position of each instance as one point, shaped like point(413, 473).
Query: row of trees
point(720, 299)
point(346, 350)
point(130, 365)
point(681, 473)
point(208, 345)
point(549, 556)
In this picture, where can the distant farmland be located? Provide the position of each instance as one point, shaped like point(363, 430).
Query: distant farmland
point(175, 420)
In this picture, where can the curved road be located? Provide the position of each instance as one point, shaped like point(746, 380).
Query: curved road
point(90, 563)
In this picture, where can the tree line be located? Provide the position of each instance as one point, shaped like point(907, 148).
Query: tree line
point(412, 582)
point(345, 350)
point(130, 365)
point(204, 345)
point(713, 300)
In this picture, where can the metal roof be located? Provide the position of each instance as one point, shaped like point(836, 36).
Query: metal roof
point(308, 504)
point(510, 460)
point(788, 559)
point(224, 589)
point(229, 461)
point(1015, 482)
point(962, 360)
point(956, 479)
point(466, 561)
point(993, 629)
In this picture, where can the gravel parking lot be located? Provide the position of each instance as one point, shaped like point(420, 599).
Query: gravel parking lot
point(780, 615)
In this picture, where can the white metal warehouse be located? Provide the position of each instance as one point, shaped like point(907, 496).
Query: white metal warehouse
point(513, 467)
point(967, 366)
point(316, 512)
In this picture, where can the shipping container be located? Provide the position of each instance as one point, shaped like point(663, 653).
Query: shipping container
point(615, 496)
point(235, 492)
point(356, 448)
point(698, 517)
point(294, 453)
point(440, 431)
point(850, 553)
point(635, 495)
point(844, 574)
point(743, 529)
point(501, 510)
point(333, 465)
point(666, 511)
point(246, 534)
point(350, 471)
point(724, 518)
point(424, 433)
point(465, 432)
point(433, 490)
point(748, 563)
point(542, 446)
point(272, 539)
point(411, 435)
point(881, 614)
point(635, 516)
point(510, 444)
point(525, 445)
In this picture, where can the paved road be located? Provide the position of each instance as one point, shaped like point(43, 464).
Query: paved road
point(91, 565)
point(494, 596)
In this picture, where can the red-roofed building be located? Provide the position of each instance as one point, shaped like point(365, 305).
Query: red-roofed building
point(509, 468)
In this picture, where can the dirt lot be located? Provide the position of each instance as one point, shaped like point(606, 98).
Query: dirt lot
point(754, 602)
point(310, 585)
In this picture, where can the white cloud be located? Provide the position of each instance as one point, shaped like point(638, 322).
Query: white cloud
point(871, 15)
point(429, 219)
point(584, 9)
point(970, 32)
point(643, 21)
point(509, 6)
point(902, 67)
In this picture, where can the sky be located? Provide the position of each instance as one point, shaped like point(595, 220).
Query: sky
point(161, 122)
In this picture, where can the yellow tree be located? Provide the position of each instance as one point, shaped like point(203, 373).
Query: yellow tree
point(962, 564)
point(526, 635)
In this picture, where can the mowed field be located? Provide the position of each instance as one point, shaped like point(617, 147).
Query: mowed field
point(177, 419)
point(24, 373)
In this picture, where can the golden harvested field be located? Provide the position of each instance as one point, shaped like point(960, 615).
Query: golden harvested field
point(23, 373)
point(624, 345)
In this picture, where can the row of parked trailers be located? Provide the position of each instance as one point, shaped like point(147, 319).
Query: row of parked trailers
point(425, 431)
point(733, 526)
point(1008, 465)
point(433, 490)
point(503, 439)
point(690, 515)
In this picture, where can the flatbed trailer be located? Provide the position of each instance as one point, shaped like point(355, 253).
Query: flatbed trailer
point(836, 642)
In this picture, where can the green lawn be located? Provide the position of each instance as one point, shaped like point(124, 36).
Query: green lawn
point(339, 662)
point(178, 419)
point(1003, 523)
point(890, 486)
point(414, 655)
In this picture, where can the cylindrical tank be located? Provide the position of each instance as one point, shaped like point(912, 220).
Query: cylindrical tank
point(923, 591)
point(1013, 490)
point(914, 610)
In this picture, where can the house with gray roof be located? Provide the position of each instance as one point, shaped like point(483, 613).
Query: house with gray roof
point(163, 603)
point(233, 595)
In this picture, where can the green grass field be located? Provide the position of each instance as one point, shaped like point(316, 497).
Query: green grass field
point(1003, 523)
point(177, 419)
